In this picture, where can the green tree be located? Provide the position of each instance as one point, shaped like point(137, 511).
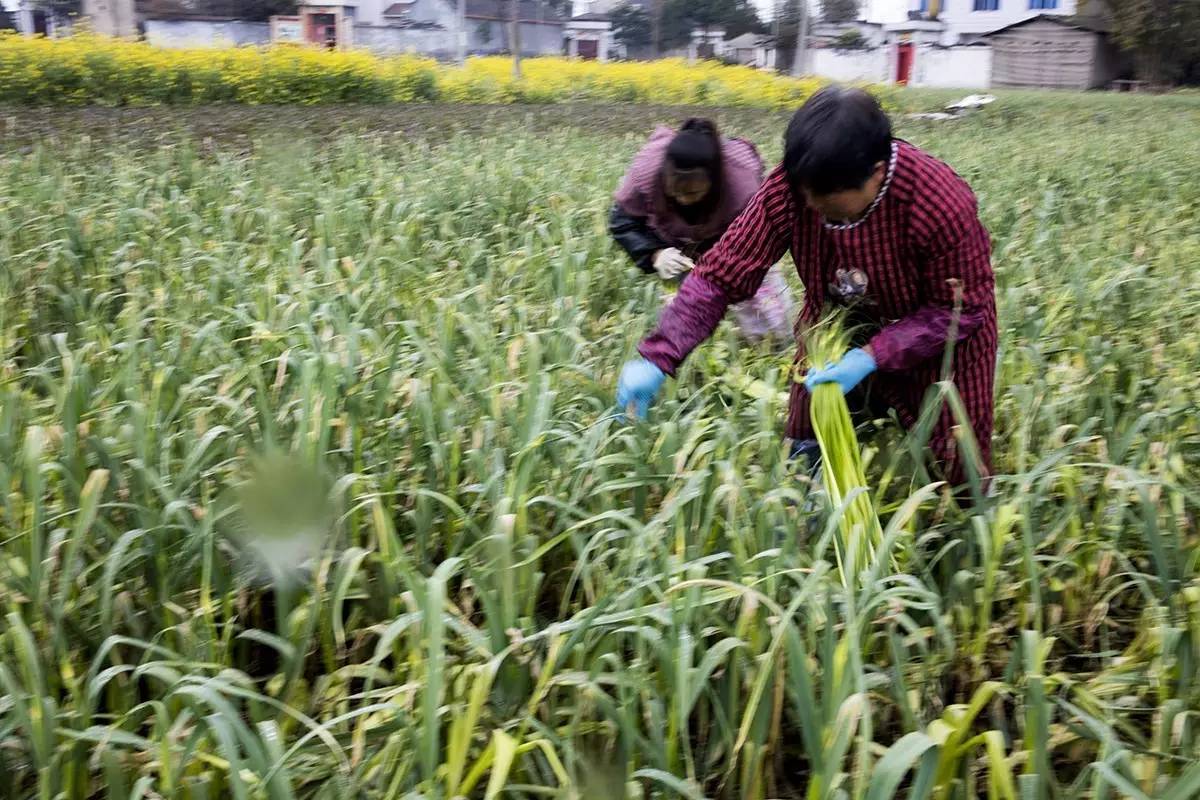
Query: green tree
point(850, 40)
point(632, 26)
point(681, 17)
point(254, 10)
point(265, 9)
point(665, 24)
point(675, 27)
point(744, 18)
point(1162, 35)
point(839, 10)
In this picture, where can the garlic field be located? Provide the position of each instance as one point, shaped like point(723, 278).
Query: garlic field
point(310, 485)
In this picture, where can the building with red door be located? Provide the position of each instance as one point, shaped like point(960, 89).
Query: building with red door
point(589, 36)
point(978, 44)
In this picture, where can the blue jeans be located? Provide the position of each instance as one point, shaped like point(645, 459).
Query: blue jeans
point(807, 449)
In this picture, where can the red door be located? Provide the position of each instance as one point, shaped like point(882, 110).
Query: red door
point(904, 62)
point(588, 49)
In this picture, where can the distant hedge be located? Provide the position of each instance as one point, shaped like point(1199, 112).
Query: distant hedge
point(94, 70)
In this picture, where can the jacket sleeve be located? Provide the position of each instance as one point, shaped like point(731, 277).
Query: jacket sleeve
point(729, 273)
point(956, 255)
point(635, 236)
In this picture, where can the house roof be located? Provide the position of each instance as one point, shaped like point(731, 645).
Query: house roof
point(592, 18)
point(209, 10)
point(167, 17)
point(398, 9)
point(848, 25)
point(1092, 24)
point(744, 41)
point(914, 25)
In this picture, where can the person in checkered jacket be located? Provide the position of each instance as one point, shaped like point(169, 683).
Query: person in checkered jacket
point(875, 224)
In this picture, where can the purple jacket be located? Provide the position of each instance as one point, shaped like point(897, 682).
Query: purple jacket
point(641, 192)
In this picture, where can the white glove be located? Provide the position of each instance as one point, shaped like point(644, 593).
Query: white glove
point(670, 263)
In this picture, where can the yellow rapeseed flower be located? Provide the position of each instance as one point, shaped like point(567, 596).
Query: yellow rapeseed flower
point(87, 68)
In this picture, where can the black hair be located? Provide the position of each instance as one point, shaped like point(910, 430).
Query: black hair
point(835, 140)
point(697, 145)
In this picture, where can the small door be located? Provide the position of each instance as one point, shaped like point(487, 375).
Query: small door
point(323, 30)
point(41, 23)
point(904, 62)
point(588, 49)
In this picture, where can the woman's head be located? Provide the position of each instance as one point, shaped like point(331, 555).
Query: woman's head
point(836, 151)
point(692, 169)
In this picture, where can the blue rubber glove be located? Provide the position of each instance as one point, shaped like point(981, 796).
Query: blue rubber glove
point(847, 373)
point(639, 384)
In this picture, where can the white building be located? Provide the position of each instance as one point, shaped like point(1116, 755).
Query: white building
point(589, 36)
point(580, 8)
point(752, 50)
point(589, 32)
point(708, 43)
point(29, 20)
point(910, 53)
point(430, 27)
point(963, 21)
point(828, 33)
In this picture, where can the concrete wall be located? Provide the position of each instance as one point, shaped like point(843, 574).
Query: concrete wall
point(194, 33)
point(439, 44)
point(953, 67)
point(872, 32)
point(850, 65)
point(491, 36)
point(950, 67)
point(536, 39)
point(370, 12)
point(443, 12)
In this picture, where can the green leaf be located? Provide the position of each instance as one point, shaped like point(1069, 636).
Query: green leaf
point(913, 750)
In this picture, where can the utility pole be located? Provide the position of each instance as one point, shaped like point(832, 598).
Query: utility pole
point(514, 37)
point(800, 58)
point(656, 15)
point(778, 15)
point(461, 46)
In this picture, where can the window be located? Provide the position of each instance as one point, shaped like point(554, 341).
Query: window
point(989, 5)
point(1036, 5)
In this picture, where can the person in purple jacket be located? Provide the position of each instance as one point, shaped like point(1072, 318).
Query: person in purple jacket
point(678, 197)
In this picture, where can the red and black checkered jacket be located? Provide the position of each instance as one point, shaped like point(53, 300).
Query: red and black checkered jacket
point(916, 248)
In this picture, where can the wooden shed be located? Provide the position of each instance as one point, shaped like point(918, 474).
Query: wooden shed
point(1054, 52)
